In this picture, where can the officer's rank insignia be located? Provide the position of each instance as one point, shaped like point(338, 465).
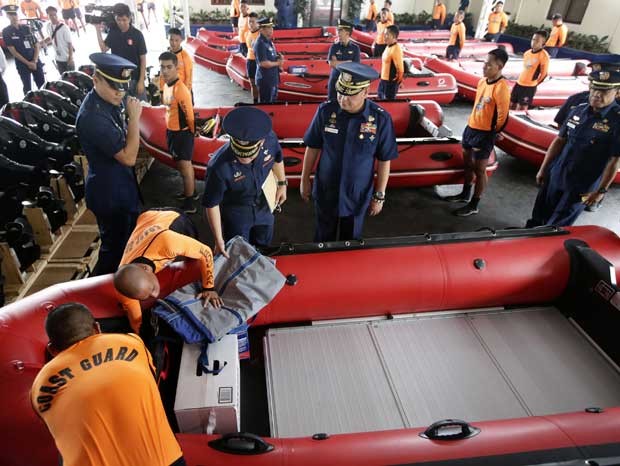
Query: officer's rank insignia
point(267, 157)
point(346, 77)
point(368, 128)
point(237, 174)
point(604, 75)
point(372, 138)
point(602, 127)
point(371, 118)
point(576, 117)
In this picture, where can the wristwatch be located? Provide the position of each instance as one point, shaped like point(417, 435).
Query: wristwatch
point(602, 190)
point(379, 196)
point(283, 183)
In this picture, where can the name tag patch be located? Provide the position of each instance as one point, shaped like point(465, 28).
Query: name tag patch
point(368, 128)
point(331, 129)
point(602, 127)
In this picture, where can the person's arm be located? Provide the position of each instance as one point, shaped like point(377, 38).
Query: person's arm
point(442, 14)
point(140, 83)
point(39, 11)
point(133, 309)
point(504, 23)
point(553, 151)
point(128, 154)
point(502, 106)
point(278, 170)
point(544, 68)
point(189, 71)
point(562, 33)
point(2, 61)
point(184, 98)
point(611, 169)
point(103, 43)
point(215, 223)
point(18, 56)
point(305, 187)
point(462, 35)
point(397, 58)
point(261, 58)
point(21, 7)
point(383, 174)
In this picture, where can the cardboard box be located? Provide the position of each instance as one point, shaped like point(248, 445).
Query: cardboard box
point(209, 403)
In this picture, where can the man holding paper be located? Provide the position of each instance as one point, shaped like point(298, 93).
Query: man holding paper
point(240, 177)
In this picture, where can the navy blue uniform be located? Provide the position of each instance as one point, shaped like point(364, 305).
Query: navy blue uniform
point(350, 52)
point(343, 184)
point(237, 189)
point(592, 139)
point(20, 38)
point(571, 102)
point(111, 187)
point(267, 79)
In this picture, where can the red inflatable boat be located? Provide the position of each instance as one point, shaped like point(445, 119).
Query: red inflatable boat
point(528, 135)
point(312, 68)
point(472, 48)
point(365, 39)
point(300, 35)
point(423, 160)
point(551, 92)
point(355, 370)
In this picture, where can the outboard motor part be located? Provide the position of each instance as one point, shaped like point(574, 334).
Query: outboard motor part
point(23, 146)
point(14, 174)
point(41, 122)
point(11, 203)
point(60, 106)
point(79, 79)
point(66, 89)
point(52, 206)
point(19, 235)
point(74, 173)
point(87, 69)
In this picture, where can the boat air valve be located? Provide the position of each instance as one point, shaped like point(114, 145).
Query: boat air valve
point(594, 410)
point(320, 436)
point(479, 264)
point(291, 279)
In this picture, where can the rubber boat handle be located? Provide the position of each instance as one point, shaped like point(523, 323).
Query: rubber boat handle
point(241, 443)
point(450, 429)
point(423, 83)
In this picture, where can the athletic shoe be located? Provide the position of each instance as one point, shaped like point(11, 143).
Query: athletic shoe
point(457, 198)
point(181, 196)
point(465, 211)
point(594, 207)
point(188, 206)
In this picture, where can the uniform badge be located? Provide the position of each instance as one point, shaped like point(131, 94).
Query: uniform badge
point(604, 75)
point(487, 100)
point(371, 118)
point(576, 117)
point(372, 138)
point(129, 41)
point(602, 127)
point(361, 136)
point(331, 129)
point(237, 174)
point(370, 128)
point(346, 77)
point(267, 157)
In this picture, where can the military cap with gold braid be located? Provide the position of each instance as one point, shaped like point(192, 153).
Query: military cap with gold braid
point(265, 22)
point(354, 78)
point(114, 69)
point(247, 127)
point(347, 26)
point(605, 78)
point(10, 9)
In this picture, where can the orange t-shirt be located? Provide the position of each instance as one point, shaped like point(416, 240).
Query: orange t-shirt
point(439, 12)
point(381, 27)
point(497, 22)
point(392, 68)
point(179, 108)
point(101, 404)
point(185, 69)
point(492, 102)
point(244, 28)
point(457, 35)
point(66, 4)
point(234, 9)
point(30, 9)
point(558, 35)
point(535, 68)
point(152, 239)
point(390, 17)
point(372, 12)
point(250, 37)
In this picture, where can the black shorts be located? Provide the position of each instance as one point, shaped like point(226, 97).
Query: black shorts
point(452, 52)
point(250, 67)
point(180, 144)
point(234, 20)
point(478, 139)
point(523, 95)
point(78, 13)
point(151, 5)
point(69, 13)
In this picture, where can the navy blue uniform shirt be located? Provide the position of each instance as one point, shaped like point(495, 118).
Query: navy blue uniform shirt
point(571, 102)
point(238, 188)
point(20, 38)
point(129, 45)
point(110, 186)
point(350, 52)
point(265, 50)
point(350, 144)
point(592, 138)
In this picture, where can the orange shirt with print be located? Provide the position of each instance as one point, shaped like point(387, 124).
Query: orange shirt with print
point(179, 108)
point(234, 9)
point(153, 240)
point(390, 17)
point(381, 27)
point(490, 111)
point(101, 404)
point(66, 4)
point(439, 12)
point(558, 36)
point(535, 68)
point(392, 67)
point(185, 69)
point(457, 35)
point(497, 22)
point(372, 12)
point(244, 28)
point(30, 9)
point(250, 37)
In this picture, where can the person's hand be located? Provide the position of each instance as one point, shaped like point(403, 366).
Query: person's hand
point(305, 189)
point(140, 88)
point(540, 177)
point(220, 248)
point(375, 207)
point(32, 65)
point(211, 297)
point(592, 198)
point(281, 195)
point(133, 107)
point(71, 64)
point(100, 28)
point(499, 137)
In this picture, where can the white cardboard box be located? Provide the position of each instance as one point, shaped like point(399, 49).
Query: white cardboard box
point(209, 403)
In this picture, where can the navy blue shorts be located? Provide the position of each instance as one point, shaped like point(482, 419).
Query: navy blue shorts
point(452, 52)
point(180, 144)
point(523, 95)
point(477, 139)
point(250, 68)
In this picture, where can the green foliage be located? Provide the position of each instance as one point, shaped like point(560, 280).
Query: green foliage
point(587, 42)
point(410, 19)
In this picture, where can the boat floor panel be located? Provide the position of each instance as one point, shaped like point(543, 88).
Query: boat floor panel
point(390, 374)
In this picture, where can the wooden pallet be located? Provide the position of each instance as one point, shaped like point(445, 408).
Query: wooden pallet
point(79, 245)
point(15, 279)
point(52, 274)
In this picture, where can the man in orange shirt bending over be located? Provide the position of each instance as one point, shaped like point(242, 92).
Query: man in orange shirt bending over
point(439, 14)
point(487, 119)
point(180, 127)
point(161, 236)
point(98, 396)
point(392, 68)
point(457, 37)
point(535, 69)
point(498, 22)
point(557, 38)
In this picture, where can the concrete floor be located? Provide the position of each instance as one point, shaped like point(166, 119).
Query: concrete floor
point(507, 202)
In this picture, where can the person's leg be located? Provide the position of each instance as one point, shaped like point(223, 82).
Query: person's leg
point(274, 93)
point(391, 89)
point(114, 231)
point(351, 227)
point(236, 223)
point(39, 75)
point(61, 66)
point(544, 206)
point(186, 169)
point(326, 227)
point(4, 92)
point(261, 235)
point(264, 91)
point(468, 177)
point(381, 90)
point(567, 209)
point(26, 76)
